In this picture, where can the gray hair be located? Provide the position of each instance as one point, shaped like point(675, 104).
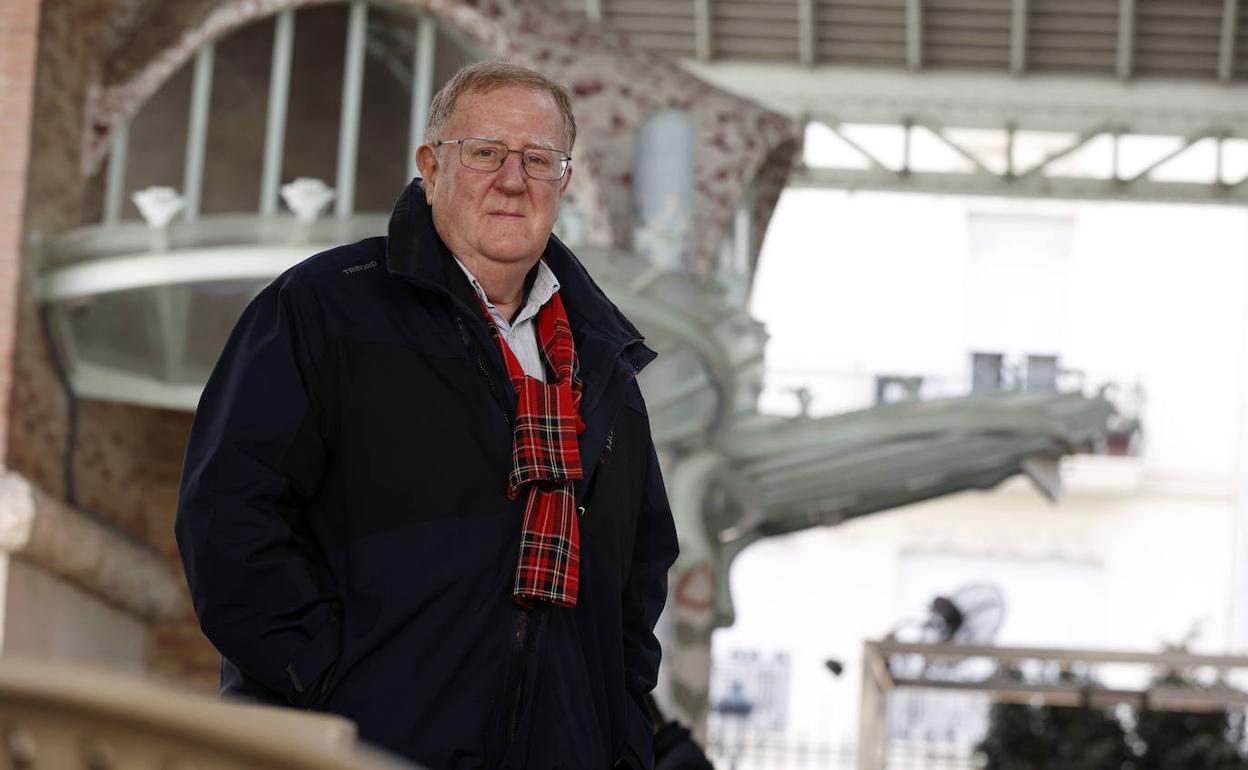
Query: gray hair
point(486, 76)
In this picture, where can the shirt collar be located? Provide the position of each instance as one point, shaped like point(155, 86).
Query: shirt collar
point(545, 284)
point(415, 251)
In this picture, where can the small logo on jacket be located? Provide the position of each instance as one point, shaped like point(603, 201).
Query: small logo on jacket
point(360, 268)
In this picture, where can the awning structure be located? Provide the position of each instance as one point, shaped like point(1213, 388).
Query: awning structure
point(792, 474)
point(837, 467)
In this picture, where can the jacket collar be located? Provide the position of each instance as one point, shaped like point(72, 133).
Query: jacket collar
point(414, 250)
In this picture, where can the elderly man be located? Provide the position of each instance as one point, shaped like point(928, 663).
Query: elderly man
point(420, 490)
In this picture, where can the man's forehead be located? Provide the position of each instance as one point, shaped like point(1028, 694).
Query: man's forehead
point(534, 113)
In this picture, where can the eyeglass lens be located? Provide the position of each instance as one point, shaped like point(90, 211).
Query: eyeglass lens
point(539, 163)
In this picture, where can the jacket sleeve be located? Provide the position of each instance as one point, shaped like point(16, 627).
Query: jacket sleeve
point(654, 551)
point(255, 456)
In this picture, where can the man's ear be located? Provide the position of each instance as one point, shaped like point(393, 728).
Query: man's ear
point(567, 178)
point(427, 164)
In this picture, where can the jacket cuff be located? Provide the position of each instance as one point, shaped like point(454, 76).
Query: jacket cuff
point(308, 674)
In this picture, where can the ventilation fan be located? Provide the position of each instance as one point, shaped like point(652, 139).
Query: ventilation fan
point(971, 615)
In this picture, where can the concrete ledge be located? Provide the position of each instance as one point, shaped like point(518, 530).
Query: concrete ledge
point(40, 529)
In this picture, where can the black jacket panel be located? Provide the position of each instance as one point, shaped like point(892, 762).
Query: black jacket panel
point(346, 534)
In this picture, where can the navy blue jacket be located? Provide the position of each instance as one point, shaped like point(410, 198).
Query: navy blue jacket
point(346, 534)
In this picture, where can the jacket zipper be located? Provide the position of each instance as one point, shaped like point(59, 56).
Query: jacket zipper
point(485, 372)
point(522, 625)
point(522, 620)
point(493, 390)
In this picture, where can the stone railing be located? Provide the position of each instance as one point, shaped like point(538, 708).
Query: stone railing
point(56, 715)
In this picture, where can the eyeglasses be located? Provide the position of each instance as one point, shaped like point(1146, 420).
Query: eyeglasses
point(489, 156)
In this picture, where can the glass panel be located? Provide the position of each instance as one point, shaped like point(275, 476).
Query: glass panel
point(386, 109)
point(212, 311)
point(157, 154)
point(237, 117)
point(316, 94)
point(120, 330)
point(126, 330)
point(451, 56)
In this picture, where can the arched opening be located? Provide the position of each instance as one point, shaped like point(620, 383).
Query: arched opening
point(291, 69)
point(193, 210)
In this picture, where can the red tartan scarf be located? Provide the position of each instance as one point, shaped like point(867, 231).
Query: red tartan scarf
point(546, 459)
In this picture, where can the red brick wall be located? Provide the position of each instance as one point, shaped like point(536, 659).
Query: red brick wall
point(19, 35)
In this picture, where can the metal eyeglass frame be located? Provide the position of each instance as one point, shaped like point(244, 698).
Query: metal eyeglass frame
point(565, 161)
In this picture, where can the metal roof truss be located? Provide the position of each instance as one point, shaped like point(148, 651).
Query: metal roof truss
point(1007, 114)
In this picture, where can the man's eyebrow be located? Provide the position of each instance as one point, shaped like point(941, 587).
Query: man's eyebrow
point(533, 145)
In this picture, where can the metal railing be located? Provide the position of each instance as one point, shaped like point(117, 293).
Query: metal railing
point(769, 752)
point(1138, 681)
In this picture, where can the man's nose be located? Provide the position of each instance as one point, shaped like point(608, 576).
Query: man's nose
point(511, 176)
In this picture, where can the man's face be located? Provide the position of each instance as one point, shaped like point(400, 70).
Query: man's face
point(501, 217)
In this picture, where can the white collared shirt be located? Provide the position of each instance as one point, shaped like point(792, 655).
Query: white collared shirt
point(521, 336)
